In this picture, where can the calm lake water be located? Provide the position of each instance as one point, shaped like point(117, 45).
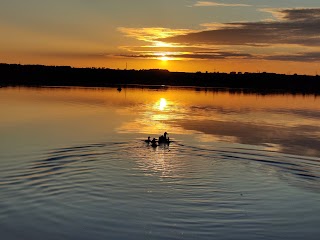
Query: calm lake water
point(73, 164)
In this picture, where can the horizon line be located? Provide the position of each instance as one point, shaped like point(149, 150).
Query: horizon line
point(159, 69)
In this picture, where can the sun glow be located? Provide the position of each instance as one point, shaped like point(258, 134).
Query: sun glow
point(164, 58)
point(162, 44)
point(162, 104)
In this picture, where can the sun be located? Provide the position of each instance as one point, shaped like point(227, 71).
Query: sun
point(164, 58)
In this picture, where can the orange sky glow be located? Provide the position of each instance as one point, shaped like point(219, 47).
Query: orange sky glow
point(188, 36)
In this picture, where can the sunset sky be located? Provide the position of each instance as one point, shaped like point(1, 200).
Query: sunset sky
point(280, 36)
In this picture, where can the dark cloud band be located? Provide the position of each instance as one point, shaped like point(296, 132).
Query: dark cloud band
point(298, 26)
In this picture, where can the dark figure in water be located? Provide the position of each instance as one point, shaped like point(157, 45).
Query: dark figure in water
point(148, 140)
point(154, 142)
point(161, 139)
point(164, 139)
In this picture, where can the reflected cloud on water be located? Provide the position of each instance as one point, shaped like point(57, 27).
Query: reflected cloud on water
point(271, 127)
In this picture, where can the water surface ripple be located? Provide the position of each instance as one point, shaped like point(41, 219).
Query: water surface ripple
point(74, 164)
point(128, 190)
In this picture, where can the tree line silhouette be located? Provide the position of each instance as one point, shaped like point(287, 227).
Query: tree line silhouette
point(39, 75)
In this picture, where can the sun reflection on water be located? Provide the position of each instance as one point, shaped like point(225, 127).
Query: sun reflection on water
point(156, 117)
point(162, 104)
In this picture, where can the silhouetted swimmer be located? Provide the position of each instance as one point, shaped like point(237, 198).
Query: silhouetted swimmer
point(154, 142)
point(148, 140)
point(164, 139)
point(161, 139)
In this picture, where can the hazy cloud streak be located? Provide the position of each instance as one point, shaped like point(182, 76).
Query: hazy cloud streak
point(152, 34)
point(199, 55)
point(217, 4)
point(302, 57)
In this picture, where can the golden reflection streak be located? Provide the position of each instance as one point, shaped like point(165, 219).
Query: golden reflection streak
point(162, 104)
point(155, 116)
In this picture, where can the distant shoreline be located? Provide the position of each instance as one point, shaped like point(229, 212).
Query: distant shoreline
point(65, 76)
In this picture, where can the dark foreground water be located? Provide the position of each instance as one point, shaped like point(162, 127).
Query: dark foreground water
point(73, 165)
